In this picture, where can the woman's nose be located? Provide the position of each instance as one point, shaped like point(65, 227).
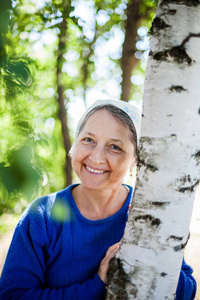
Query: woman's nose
point(97, 155)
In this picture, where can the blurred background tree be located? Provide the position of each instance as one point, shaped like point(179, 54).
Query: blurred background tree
point(56, 58)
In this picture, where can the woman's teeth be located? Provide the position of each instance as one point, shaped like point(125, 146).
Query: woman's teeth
point(94, 170)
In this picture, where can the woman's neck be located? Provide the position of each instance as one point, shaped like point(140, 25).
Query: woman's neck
point(97, 205)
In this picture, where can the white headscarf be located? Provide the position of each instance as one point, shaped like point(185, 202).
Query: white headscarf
point(132, 111)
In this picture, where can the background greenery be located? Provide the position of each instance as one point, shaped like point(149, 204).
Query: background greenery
point(56, 56)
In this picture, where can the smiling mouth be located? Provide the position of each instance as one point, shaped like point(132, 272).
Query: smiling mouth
point(95, 171)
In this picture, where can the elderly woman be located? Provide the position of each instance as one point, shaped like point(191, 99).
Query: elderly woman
point(63, 242)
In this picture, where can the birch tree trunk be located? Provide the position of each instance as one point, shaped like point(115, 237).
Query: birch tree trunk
point(148, 263)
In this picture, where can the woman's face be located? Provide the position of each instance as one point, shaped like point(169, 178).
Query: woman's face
point(103, 152)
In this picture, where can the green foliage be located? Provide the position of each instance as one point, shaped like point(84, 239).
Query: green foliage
point(32, 156)
point(5, 5)
point(7, 223)
point(18, 173)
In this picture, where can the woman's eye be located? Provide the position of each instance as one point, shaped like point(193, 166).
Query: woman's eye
point(115, 147)
point(89, 140)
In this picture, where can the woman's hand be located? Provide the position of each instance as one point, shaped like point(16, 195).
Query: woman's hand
point(104, 265)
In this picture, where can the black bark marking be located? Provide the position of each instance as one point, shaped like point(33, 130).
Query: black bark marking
point(197, 156)
point(154, 222)
point(177, 53)
point(188, 188)
point(188, 38)
point(175, 238)
point(187, 184)
point(159, 204)
point(184, 179)
point(158, 24)
point(172, 12)
point(199, 111)
point(118, 281)
point(160, 56)
point(181, 246)
point(146, 139)
point(177, 88)
point(148, 166)
point(182, 2)
point(163, 274)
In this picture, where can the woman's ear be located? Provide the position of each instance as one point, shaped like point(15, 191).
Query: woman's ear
point(133, 165)
point(71, 151)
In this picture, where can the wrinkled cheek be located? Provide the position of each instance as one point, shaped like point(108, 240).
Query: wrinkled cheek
point(119, 176)
point(73, 164)
point(76, 158)
point(76, 165)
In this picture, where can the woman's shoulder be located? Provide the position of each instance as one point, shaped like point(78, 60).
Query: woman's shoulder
point(54, 207)
point(44, 217)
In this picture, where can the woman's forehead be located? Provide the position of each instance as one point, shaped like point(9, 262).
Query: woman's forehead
point(103, 116)
point(104, 121)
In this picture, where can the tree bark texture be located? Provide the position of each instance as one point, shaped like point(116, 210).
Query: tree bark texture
point(147, 266)
point(60, 91)
point(128, 60)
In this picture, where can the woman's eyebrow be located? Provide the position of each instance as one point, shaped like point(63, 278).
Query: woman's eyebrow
point(112, 139)
point(117, 140)
point(89, 133)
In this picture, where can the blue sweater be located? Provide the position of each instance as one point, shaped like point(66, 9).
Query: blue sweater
point(55, 252)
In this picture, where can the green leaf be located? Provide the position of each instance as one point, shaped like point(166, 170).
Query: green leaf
point(20, 174)
point(19, 71)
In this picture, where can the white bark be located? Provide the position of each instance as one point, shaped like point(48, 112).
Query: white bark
point(148, 263)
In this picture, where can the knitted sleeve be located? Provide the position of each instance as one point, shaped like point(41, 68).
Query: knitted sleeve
point(23, 276)
point(186, 289)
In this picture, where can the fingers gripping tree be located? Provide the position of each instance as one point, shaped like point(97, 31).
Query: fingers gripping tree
point(148, 263)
